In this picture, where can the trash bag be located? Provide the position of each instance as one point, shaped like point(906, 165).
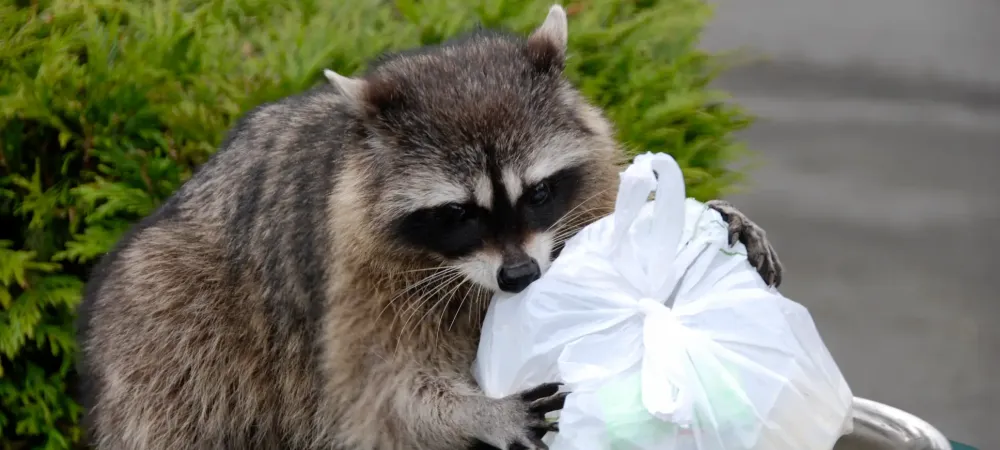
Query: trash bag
point(666, 336)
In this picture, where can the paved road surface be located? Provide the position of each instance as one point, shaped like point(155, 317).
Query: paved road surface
point(879, 138)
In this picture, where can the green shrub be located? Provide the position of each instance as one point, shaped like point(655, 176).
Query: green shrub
point(107, 106)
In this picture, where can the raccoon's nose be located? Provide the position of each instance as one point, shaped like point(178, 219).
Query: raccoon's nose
point(516, 277)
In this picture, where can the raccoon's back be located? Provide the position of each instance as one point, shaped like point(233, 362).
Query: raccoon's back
point(198, 327)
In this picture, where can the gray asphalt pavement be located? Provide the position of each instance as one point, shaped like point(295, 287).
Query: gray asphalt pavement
point(879, 145)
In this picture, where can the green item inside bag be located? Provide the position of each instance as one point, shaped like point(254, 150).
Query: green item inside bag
point(630, 424)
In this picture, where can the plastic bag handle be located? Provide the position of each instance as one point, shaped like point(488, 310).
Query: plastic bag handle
point(668, 223)
point(660, 173)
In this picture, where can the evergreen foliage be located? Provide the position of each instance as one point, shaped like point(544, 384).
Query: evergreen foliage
point(106, 107)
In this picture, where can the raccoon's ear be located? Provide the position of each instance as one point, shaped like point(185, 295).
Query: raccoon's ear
point(370, 96)
point(351, 88)
point(382, 95)
point(547, 44)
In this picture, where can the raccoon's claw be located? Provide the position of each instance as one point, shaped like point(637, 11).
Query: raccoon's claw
point(760, 253)
point(532, 443)
point(544, 398)
point(522, 423)
point(538, 392)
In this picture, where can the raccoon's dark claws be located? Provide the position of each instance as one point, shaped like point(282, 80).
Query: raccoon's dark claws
point(544, 426)
point(548, 404)
point(767, 264)
point(520, 421)
point(541, 426)
point(760, 253)
point(539, 392)
point(529, 444)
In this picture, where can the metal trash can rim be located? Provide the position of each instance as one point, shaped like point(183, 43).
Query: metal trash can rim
point(894, 425)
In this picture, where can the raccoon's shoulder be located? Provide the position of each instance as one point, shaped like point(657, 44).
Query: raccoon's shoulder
point(272, 153)
point(312, 119)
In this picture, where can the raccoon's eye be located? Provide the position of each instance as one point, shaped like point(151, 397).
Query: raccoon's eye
point(540, 194)
point(453, 213)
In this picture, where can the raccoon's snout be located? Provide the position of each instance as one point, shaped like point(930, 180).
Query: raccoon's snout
point(515, 277)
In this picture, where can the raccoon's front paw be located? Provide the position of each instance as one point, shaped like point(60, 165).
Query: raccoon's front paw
point(519, 420)
point(760, 252)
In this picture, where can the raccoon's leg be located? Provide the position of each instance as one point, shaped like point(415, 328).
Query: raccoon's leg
point(760, 252)
point(540, 426)
point(521, 422)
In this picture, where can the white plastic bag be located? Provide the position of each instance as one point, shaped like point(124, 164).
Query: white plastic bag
point(730, 365)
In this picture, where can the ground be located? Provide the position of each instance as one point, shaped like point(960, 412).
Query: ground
point(879, 141)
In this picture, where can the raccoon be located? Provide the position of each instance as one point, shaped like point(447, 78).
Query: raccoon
point(321, 281)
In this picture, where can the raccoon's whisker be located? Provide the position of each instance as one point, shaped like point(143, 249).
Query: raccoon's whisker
point(571, 228)
point(414, 307)
point(459, 309)
point(426, 269)
point(440, 272)
point(445, 300)
point(426, 296)
point(395, 279)
point(584, 202)
point(565, 234)
point(428, 279)
point(482, 296)
point(581, 217)
point(475, 300)
point(581, 212)
point(447, 270)
point(561, 240)
point(434, 306)
point(602, 209)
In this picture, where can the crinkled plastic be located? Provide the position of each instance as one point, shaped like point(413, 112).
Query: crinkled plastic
point(665, 335)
